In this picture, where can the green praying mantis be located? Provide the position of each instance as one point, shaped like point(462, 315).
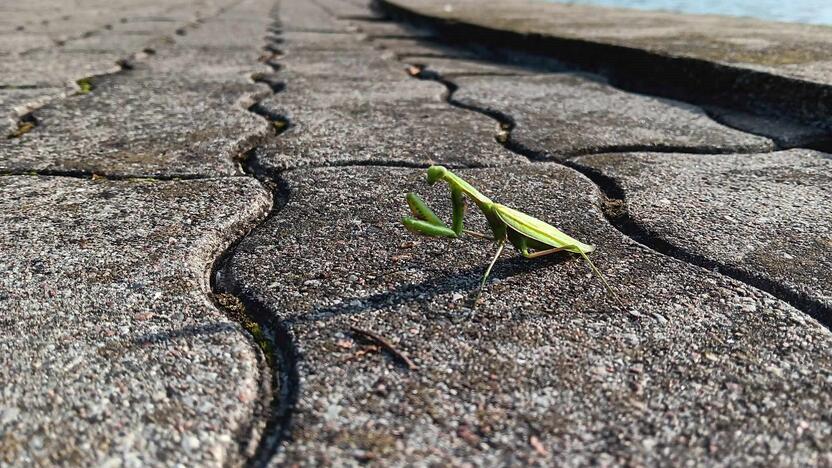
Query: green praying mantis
point(531, 236)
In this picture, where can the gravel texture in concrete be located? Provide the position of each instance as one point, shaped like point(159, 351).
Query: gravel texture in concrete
point(562, 114)
point(451, 68)
point(141, 125)
point(178, 109)
point(766, 215)
point(415, 47)
point(391, 29)
point(696, 368)
point(111, 352)
point(309, 16)
point(354, 106)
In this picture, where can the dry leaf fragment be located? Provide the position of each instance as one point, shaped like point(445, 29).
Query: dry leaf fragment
point(537, 445)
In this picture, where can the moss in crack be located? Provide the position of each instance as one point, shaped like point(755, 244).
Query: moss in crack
point(237, 311)
point(25, 124)
point(22, 129)
point(84, 86)
point(280, 125)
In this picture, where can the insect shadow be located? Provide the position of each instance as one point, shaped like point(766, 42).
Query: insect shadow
point(464, 280)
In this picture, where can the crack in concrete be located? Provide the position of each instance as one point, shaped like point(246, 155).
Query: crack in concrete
point(610, 76)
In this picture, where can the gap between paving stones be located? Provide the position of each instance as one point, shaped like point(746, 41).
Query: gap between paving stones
point(26, 121)
point(278, 336)
point(278, 391)
point(423, 71)
point(820, 143)
point(277, 386)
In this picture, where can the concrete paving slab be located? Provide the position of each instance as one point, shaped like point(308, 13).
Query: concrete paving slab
point(244, 33)
point(309, 16)
point(16, 101)
point(111, 352)
point(765, 215)
point(55, 68)
point(452, 67)
point(384, 121)
point(357, 62)
point(346, 10)
point(15, 42)
point(391, 29)
point(141, 125)
point(755, 66)
point(205, 64)
point(697, 368)
point(786, 133)
point(299, 42)
point(562, 114)
point(409, 47)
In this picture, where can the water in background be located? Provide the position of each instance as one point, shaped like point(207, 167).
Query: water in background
point(797, 11)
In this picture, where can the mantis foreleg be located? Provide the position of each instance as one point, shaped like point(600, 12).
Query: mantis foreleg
point(426, 221)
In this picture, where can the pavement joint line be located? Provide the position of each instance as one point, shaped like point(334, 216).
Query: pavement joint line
point(617, 214)
point(279, 390)
point(614, 204)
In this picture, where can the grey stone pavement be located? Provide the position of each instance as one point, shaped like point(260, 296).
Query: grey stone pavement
point(203, 262)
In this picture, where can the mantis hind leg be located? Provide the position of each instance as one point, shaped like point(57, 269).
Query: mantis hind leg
point(490, 266)
point(603, 280)
point(523, 244)
point(541, 253)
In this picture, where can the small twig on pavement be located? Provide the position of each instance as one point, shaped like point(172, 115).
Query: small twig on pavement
point(386, 345)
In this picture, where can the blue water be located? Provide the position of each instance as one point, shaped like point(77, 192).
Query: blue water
point(796, 11)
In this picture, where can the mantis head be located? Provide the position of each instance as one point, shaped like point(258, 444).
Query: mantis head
point(435, 173)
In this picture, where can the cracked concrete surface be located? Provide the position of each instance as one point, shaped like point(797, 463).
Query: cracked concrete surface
point(145, 324)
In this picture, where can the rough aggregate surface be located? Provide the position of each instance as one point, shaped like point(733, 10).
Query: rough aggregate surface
point(125, 126)
point(376, 114)
point(766, 214)
point(110, 350)
point(792, 50)
point(697, 368)
point(566, 114)
point(115, 349)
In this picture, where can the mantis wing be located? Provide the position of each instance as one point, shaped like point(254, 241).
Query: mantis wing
point(538, 230)
point(549, 235)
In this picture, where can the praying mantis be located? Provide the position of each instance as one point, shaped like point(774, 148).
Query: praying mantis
point(531, 236)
